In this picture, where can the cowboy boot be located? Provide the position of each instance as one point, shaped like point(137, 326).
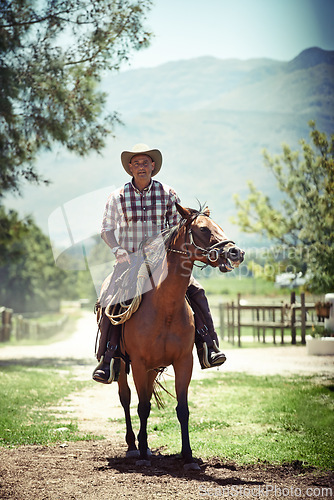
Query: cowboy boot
point(208, 355)
point(108, 368)
point(206, 338)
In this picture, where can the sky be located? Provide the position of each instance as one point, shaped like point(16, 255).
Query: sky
point(225, 29)
point(242, 29)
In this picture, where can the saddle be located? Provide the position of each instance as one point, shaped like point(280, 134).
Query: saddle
point(129, 284)
point(122, 291)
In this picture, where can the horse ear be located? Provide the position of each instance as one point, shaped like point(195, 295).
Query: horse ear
point(184, 212)
point(206, 211)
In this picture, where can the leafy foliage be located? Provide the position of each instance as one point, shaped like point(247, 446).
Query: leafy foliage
point(13, 230)
point(29, 279)
point(303, 224)
point(52, 56)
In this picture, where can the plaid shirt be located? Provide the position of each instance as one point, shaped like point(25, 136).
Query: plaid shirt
point(138, 215)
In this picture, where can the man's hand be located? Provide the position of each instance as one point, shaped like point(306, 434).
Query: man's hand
point(122, 256)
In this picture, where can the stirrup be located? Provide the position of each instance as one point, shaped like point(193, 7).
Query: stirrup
point(215, 347)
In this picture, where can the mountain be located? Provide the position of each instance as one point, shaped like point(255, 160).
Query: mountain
point(304, 84)
point(311, 58)
point(211, 118)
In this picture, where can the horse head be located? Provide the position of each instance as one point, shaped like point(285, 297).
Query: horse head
point(207, 241)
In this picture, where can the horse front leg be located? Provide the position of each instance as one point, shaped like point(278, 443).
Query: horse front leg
point(124, 393)
point(144, 409)
point(144, 385)
point(183, 371)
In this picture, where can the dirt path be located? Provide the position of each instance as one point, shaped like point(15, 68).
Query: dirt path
point(98, 403)
point(96, 470)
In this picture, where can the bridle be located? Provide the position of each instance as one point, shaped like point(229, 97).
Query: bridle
point(211, 253)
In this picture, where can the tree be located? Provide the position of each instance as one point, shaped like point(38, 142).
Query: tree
point(29, 280)
point(52, 56)
point(302, 225)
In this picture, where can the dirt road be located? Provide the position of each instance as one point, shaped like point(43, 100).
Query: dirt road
point(95, 405)
point(96, 470)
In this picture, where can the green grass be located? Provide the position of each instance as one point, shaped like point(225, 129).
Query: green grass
point(252, 419)
point(225, 345)
point(247, 338)
point(239, 417)
point(230, 286)
point(26, 395)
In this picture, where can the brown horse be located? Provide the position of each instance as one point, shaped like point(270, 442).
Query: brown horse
point(161, 332)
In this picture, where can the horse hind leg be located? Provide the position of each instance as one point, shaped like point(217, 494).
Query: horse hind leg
point(124, 393)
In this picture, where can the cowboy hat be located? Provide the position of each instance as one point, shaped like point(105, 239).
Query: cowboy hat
point(142, 149)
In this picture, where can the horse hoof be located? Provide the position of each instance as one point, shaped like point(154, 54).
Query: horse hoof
point(143, 463)
point(136, 453)
point(132, 454)
point(192, 466)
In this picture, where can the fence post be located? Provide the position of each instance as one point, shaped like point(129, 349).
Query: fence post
point(263, 328)
point(239, 321)
point(303, 317)
point(293, 317)
point(2, 309)
point(233, 321)
point(253, 321)
point(228, 320)
point(6, 324)
point(258, 321)
point(274, 321)
point(282, 323)
point(222, 320)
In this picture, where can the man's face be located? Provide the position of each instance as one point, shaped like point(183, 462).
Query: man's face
point(141, 167)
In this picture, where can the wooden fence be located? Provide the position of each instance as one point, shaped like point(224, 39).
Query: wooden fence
point(278, 318)
point(16, 324)
point(6, 316)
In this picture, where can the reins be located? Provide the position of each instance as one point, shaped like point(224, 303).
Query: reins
point(124, 310)
point(206, 252)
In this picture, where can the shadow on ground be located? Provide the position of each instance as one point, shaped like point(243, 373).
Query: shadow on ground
point(172, 466)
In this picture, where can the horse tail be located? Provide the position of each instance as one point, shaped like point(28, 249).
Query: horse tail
point(158, 389)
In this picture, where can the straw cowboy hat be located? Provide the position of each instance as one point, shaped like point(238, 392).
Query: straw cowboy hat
point(142, 149)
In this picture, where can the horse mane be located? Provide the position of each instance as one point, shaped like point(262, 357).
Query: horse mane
point(169, 235)
point(161, 243)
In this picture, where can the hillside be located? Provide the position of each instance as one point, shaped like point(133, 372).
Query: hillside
point(211, 119)
point(303, 84)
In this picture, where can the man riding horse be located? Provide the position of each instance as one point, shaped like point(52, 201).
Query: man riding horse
point(140, 209)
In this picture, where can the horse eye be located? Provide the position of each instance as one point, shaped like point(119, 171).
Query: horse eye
point(204, 229)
